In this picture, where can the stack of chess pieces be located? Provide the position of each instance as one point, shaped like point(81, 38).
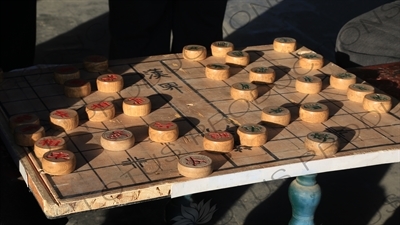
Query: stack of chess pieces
point(58, 160)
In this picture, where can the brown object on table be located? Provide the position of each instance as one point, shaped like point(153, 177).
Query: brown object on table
point(262, 74)
point(357, 92)
point(100, 111)
point(218, 141)
point(48, 143)
point(377, 103)
point(117, 140)
point(237, 58)
point(64, 119)
point(244, 90)
point(252, 134)
point(311, 61)
point(58, 162)
point(276, 116)
point(322, 143)
point(217, 71)
point(28, 134)
point(95, 63)
point(136, 106)
point(195, 166)
point(110, 83)
point(284, 44)
point(313, 112)
point(342, 81)
point(221, 48)
point(194, 52)
point(77, 88)
point(384, 77)
point(163, 131)
point(21, 119)
point(64, 73)
point(308, 84)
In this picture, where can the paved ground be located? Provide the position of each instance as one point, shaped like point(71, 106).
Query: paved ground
point(69, 30)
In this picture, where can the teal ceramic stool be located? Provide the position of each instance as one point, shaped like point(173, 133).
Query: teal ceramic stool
point(304, 195)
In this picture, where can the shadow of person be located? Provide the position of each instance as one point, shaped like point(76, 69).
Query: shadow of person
point(395, 218)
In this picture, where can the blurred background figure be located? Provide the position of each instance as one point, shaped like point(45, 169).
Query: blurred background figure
point(144, 28)
point(370, 39)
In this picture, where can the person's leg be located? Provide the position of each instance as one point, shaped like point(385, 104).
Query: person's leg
point(371, 38)
point(197, 22)
point(18, 33)
point(139, 28)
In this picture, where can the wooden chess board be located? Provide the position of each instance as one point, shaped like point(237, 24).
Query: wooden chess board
point(180, 92)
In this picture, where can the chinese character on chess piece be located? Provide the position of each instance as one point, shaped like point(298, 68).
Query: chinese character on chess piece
point(244, 90)
point(163, 131)
point(100, 111)
point(117, 140)
point(218, 141)
point(64, 119)
point(48, 143)
point(58, 162)
point(252, 134)
point(313, 112)
point(195, 166)
point(136, 106)
point(110, 83)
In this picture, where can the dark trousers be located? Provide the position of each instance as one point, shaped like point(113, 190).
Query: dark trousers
point(18, 33)
point(143, 28)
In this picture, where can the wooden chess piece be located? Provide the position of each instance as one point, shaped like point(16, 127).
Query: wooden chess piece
point(237, 58)
point(48, 143)
point(136, 106)
point(195, 166)
point(117, 140)
point(110, 83)
point(221, 48)
point(311, 61)
point(262, 74)
point(252, 135)
point(217, 71)
point(284, 44)
point(218, 141)
point(95, 63)
point(100, 111)
point(163, 131)
point(28, 134)
point(244, 90)
point(380, 103)
point(77, 88)
point(314, 112)
point(276, 116)
point(322, 143)
point(194, 52)
point(342, 81)
point(64, 73)
point(64, 119)
point(357, 92)
point(58, 162)
point(24, 118)
point(308, 84)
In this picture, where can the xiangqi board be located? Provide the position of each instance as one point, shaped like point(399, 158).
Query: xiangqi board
point(180, 92)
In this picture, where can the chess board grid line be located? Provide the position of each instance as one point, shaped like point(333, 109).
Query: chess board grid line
point(302, 159)
point(210, 102)
point(194, 90)
point(87, 163)
point(168, 102)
